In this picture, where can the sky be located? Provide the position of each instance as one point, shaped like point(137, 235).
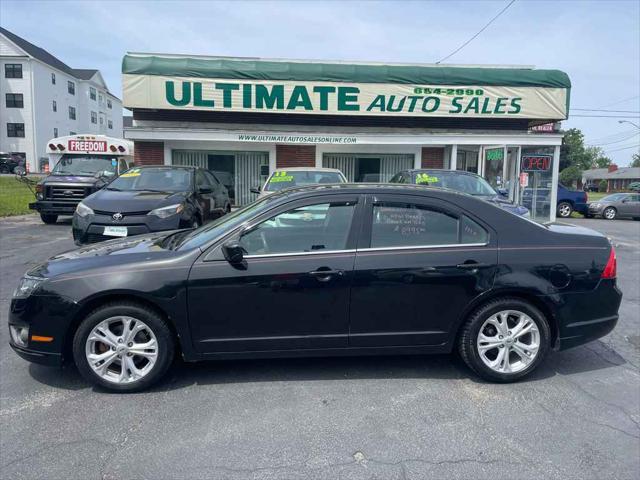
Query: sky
point(597, 43)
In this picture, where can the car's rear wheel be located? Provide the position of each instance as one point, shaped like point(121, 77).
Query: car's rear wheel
point(564, 209)
point(610, 213)
point(48, 218)
point(504, 340)
point(123, 347)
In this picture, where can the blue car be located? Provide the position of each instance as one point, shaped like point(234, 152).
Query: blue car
point(568, 201)
point(460, 181)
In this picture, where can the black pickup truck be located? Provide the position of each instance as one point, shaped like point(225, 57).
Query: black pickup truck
point(74, 178)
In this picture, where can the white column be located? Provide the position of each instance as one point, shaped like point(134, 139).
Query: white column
point(167, 154)
point(454, 157)
point(554, 182)
point(272, 158)
point(319, 153)
point(417, 157)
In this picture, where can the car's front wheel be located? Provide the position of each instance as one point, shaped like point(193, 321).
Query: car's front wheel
point(48, 219)
point(504, 339)
point(609, 213)
point(123, 347)
point(564, 209)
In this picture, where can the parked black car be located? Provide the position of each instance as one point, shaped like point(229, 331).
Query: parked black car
point(72, 179)
point(460, 181)
point(11, 163)
point(150, 199)
point(353, 269)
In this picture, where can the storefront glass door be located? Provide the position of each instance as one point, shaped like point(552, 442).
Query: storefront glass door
point(493, 157)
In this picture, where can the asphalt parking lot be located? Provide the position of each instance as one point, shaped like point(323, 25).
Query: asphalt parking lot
point(413, 417)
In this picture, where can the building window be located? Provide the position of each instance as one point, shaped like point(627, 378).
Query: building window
point(71, 87)
point(109, 103)
point(53, 78)
point(92, 93)
point(101, 121)
point(15, 130)
point(110, 124)
point(72, 133)
point(55, 132)
point(94, 117)
point(54, 105)
point(100, 99)
point(13, 70)
point(14, 100)
point(72, 113)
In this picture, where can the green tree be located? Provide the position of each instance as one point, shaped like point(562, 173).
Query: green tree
point(635, 160)
point(570, 175)
point(574, 152)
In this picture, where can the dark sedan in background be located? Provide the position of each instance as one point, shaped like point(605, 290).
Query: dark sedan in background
point(374, 269)
point(150, 199)
point(616, 205)
point(460, 181)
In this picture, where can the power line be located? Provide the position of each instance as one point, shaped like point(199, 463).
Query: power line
point(616, 141)
point(479, 32)
point(610, 111)
point(614, 136)
point(623, 148)
point(619, 101)
point(607, 116)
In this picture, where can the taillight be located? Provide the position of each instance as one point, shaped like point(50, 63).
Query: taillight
point(611, 269)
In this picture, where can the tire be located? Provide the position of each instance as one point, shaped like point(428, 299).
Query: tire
point(609, 213)
point(469, 338)
point(564, 209)
point(49, 219)
point(114, 378)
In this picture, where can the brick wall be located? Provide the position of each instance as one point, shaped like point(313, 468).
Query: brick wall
point(149, 153)
point(432, 157)
point(295, 156)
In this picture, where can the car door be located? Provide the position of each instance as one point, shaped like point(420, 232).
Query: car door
point(630, 206)
point(419, 263)
point(292, 290)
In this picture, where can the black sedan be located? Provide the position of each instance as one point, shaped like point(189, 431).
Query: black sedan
point(150, 199)
point(323, 270)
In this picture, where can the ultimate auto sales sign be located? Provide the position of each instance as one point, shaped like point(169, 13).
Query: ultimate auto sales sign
point(339, 98)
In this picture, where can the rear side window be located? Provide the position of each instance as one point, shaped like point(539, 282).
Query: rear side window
point(409, 224)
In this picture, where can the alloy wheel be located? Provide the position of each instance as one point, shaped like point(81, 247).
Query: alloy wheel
point(564, 210)
point(609, 214)
point(121, 349)
point(508, 341)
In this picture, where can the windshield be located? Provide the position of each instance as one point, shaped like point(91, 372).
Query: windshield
point(613, 198)
point(283, 179)
point(212, 230)
point(86, 165)
point(460, 182)
point(154, 179)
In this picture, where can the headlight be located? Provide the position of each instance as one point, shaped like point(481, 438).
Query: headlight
point(82, 210)
point(166, 212)
point(26, 286)
point(596, 205)
point(19, 335)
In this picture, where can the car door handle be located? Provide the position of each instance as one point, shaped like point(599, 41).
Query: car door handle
point(472, 265)
point(326, 275)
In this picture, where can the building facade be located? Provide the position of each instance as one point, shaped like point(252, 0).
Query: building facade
point(617, 179)
point(246, 117)
point(43, 98)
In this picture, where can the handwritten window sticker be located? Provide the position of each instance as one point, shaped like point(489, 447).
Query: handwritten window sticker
point(426, 179)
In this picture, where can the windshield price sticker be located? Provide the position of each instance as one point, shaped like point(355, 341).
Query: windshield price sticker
point(133, 173)
point(425, 178)
point(281, 177)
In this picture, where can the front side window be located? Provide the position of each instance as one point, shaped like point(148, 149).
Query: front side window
point(296, 178)
point(71, 87)
point(14, 100)
point(54, 106)
point(92, 93)
point(15, 129)
point(311, 228)
point(13, 70)
point(399, 224)
point(72, 113)
point(94, 117)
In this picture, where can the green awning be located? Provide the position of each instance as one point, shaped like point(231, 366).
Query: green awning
point(240, 69)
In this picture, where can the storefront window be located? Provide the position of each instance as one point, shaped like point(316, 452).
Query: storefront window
point(537, 165)
point(467, 159)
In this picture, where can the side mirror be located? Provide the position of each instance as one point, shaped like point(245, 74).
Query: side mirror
point(503, 192)
point(233, 252)
point(255, 190)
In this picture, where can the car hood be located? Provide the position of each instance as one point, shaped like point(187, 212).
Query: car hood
point(66, 179)
point(132, 201)
point(139, 249)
